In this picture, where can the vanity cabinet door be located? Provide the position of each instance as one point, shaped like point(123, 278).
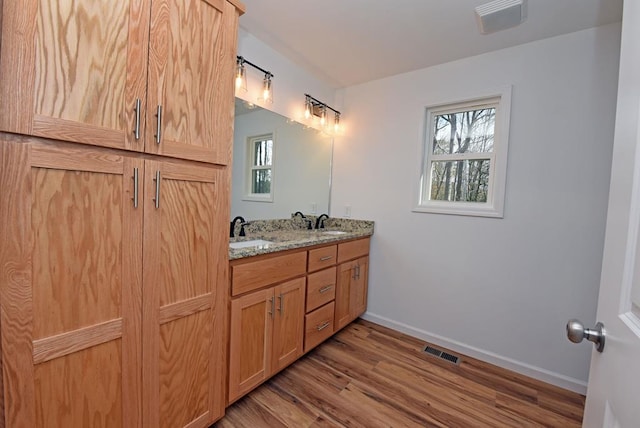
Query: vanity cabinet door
point(351, 291)
point(288, 331)
point(74, 70)
point(250, 341)
point(70, 286)
point(184, 307)
point(192, 56)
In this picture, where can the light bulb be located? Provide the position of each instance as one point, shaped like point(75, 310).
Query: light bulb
point(267, 93)
point(308, 109)
point(336, 123)
point(241, 77)
point(323, 116)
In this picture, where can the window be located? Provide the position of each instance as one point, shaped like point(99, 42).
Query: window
point(464, 160)
point(259, 173)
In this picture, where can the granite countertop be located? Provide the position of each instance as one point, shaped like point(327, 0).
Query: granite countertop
point(289, 234)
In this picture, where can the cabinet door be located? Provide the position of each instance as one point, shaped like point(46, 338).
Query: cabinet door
point(77, 69)
point(184, 295)
point(250, 341)
point(288, 330)
point(70, 286)
point(190, 91)
point(346, 277)
point(358, 292)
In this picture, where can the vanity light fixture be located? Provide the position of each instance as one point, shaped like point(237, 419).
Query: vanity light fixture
point(241, 79)
point(315, 107)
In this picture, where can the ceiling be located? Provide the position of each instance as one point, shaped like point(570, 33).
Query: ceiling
point(347, 42)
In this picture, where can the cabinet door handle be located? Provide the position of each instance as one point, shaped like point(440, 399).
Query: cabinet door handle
point(358, 271)
point(325, 289)
point(157, 198)
point(135, 188)
point(325, 258)
point(281, 304)
point(273, 304)
point(158, 134)
point(353, 273)
point(136, 130)
point(323, 326)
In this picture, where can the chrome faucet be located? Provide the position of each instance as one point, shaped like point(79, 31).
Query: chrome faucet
point(320, 221)
point(232, 228)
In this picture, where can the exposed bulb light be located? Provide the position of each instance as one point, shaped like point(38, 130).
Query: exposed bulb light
point(323, 116)
point(308, 108)
point(314, 107)
point(267, 93)
point(241, 76)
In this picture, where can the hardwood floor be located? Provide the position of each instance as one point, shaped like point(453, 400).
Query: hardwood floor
point(371, 376)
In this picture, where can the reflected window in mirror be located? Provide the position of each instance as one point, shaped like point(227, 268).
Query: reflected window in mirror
point(260, 168)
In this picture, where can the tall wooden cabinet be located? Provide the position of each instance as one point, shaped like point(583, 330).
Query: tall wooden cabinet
point(132, 74)
point(113, 263)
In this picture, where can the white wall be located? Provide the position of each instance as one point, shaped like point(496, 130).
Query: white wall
point(501, 289)
point(302, 162)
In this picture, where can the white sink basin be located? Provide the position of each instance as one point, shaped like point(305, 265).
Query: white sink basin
point(334, 232)
point(260, 243)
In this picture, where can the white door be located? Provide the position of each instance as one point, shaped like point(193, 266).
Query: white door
point(613, 395)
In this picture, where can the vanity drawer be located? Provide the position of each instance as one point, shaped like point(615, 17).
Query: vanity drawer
point(321, 288)
point(322, 257)
point(257, 274)
point(318, 326)
point(353, 249)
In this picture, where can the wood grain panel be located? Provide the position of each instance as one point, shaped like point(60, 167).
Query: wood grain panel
point(288, 329)
point(184, 369)
point(17, 59)
point(320, 258)
point(250, 342)
point(77, 224)
point(191, 63)
point(82, 52)
point(318, 326)
point(15, 283)
point(248, 276)
point(321, 288)
point(83, 389)
point(73, 157)
point(186, 233)
point(73, 341)
point(182, 241)
point(353, 249)
point(359, 289)
point(346, 275)
point(68, 130)
point(185, 308)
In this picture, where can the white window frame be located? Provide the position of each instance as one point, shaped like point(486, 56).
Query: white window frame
point(250, 167)
point(494, 206)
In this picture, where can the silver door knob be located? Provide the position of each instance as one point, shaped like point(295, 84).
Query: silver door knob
point(576, 332)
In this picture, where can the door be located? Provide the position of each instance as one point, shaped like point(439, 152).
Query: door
point(288, 327)
point(71, 287)
point(358, 292)
point(77, 70)
point(191, 64)
point(184, 302)
point(250, 341)
point(346, 278)
point(614, 379)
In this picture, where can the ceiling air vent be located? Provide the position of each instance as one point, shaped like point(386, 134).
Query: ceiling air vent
point(441, 354)
point(500, 15)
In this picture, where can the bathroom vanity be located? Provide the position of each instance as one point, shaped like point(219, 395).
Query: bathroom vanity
point(289, 293)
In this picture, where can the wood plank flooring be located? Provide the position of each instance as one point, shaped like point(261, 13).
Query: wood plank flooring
point(370, 376)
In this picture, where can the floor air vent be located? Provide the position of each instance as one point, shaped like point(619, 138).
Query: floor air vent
point(442, 355)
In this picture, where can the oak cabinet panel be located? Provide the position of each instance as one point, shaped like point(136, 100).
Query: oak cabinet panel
point(319, 326)
point(267, 330)
point(81, 234)
point(351, 291)
point(139, 75)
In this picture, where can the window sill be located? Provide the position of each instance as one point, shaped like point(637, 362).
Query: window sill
point(256, 198)
point(461, 208)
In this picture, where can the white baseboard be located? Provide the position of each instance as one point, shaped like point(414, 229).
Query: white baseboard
point(538, 373)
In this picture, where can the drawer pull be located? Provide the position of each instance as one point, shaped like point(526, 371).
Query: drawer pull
point(325, 258)
point(323, 326)
point(325, 289)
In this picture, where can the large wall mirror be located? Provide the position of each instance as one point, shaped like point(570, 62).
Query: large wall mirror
point(279, 166)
